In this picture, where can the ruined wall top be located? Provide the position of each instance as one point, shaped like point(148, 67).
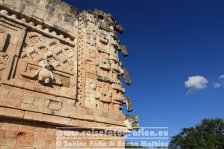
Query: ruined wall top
point(54, 13)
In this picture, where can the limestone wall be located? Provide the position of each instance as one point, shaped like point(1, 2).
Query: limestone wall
point(54, 13)
point(61, 68)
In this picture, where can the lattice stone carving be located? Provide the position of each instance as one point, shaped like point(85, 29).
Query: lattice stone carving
point(38, 48)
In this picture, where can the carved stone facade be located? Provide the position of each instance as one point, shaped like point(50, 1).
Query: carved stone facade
point(59, 68)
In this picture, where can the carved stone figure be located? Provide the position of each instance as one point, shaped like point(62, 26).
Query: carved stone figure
point(119, 29)
point(104, 39)
point(109, 19)
point(123, 50)
point(126, 76)
point(132, 122)
point(105, 26)
point(45, 75)
point(127, 101)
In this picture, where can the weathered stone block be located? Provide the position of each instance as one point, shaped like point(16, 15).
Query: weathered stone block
point(26, 141)
point(55, 105)
point(40, 139)
point(28, 99)
point(3, 94)
point(11, 112)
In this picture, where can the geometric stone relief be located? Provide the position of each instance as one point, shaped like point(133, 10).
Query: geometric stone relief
point(38, 48)
point(11, 36)
point(3, 61)
point(3, 56)
point(37, 62)
point(91, 94)
point(3, 39)
point(47, 60)
point(99, 36)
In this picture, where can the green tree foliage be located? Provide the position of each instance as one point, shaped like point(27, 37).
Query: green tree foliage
point(209, 134)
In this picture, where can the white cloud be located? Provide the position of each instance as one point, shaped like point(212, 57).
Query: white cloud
point(195, 83)
point(221, 77)
point(219, 83)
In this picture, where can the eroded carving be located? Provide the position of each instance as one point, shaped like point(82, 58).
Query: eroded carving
point(105, 64)
point(45, 75)
point(108, 68)
point(126, 76)
point(39, 47)
point(91, 93)
point(132, 122)
point(127, 101)
point(103, 38)
point(119, 28)
point(103, 51)
point(123, 50)
point(105, 79)
point(105, 26)
point(90, 40)
point(109, 20)
point(3, 61)
point(118, 87)
point(114, 41)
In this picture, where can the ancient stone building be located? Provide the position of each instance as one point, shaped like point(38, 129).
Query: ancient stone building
point(59, 68)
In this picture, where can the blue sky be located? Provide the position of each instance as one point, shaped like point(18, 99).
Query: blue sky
point(169, 41)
